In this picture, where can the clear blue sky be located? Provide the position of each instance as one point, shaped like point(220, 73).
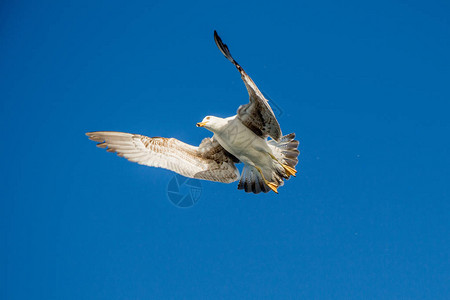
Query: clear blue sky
point(365, 86)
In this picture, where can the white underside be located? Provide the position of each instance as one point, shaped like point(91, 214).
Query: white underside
point(245, 145)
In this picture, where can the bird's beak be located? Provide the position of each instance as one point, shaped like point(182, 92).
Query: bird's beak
point(201, 124)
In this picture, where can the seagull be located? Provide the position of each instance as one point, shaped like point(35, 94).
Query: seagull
point(242, 138)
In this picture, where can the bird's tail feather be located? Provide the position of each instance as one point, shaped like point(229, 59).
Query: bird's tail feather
point(252, 181)
point(286, 150)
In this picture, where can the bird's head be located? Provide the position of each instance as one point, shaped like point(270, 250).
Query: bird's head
point(212, 123)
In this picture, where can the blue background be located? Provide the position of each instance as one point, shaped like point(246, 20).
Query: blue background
point(365, 86)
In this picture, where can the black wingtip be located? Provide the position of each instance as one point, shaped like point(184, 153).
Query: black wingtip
point(218, 40)
point(222, 47)
point(217, 37)
point(225, 51)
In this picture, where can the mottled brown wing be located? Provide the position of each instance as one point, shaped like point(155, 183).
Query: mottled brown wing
point(195, 162)
point(257, 115)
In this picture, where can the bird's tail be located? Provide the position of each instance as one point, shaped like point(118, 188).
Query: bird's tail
point(252, 181)
point(285, 151)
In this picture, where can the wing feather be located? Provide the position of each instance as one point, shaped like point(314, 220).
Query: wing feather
point(257, 115)
point(213, 164)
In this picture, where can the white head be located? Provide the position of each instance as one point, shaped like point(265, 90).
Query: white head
point(212, 123)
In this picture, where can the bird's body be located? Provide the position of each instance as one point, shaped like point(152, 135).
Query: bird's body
point(244, 144)
point(240, 141)
point(240, 138)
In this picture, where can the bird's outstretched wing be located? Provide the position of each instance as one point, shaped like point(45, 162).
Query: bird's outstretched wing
point(256, 115)
point(209, 161)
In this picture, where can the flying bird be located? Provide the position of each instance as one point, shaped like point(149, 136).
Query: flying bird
point(243, 138)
